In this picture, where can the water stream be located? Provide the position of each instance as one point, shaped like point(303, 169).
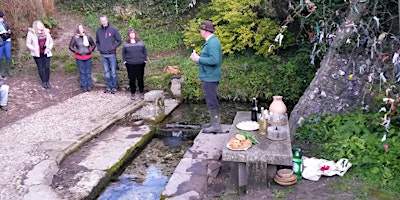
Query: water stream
point(149, 172)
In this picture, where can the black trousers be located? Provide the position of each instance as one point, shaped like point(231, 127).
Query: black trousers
point(136, 73)
point(210, 90)
point(43, 65)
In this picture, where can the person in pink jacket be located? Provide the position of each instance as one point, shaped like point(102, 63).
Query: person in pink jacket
point(40, 43)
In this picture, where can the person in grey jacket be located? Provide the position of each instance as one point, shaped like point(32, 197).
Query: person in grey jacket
point(134, 55)
point(108, 40)
point(3, 95)
point(83, 45)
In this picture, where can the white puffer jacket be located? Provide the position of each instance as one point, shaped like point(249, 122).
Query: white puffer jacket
point(33, 44)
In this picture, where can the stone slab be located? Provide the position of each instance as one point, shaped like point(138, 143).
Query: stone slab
point(268, 151)
point(106, 153)
point(41, 192)
point(208, 146)
point(182, 183)
point(192, 166)
point(42, 173)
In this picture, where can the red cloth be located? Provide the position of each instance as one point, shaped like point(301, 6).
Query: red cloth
point(81, 57)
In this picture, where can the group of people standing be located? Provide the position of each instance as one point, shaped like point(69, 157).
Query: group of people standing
point(134, 56)
point(40, 44)
point(108, 39)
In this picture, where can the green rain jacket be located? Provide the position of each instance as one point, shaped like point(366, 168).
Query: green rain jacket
point(210, 60)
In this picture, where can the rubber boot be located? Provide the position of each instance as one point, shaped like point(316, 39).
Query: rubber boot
point(206, 125)
point(1, 68)
point(215, 122)
point(9, 67)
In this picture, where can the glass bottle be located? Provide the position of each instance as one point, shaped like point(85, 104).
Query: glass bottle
point(254, 110)
point(262, 121)
point(297, 162)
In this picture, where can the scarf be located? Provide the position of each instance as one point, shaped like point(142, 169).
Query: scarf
point(85, 39)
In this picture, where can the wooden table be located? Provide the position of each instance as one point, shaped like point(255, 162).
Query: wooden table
point(249, 167)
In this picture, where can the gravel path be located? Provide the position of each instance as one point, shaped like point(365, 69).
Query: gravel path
point(44, 134)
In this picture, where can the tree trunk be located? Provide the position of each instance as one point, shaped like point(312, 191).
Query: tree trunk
point(333, 91)
point(48, 6)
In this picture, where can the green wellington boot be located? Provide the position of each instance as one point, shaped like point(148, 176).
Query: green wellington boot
point(1, 68)
point(215, 122)
point(9, 67)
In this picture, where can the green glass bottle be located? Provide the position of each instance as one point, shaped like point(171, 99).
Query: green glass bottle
point(297, 163)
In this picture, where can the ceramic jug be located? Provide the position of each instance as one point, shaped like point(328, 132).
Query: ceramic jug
point(277, 106)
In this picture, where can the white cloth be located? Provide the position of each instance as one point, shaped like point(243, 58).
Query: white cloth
point(314, 168)
point(85, 41)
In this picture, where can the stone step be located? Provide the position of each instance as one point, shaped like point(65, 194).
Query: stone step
point(201, 161)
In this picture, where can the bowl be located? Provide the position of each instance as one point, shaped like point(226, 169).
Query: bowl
point(284, 173)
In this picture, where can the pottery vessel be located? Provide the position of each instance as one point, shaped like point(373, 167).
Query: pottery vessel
point(277, 106)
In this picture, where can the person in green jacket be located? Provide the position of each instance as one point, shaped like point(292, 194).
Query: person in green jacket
point(209, 61)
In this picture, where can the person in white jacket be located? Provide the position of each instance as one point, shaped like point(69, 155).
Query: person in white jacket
point(3, 95)
point(40, 43)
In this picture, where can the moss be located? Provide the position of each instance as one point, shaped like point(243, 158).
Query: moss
point(143, 142)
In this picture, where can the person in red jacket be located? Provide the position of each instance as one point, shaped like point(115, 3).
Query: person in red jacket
point(83, 45)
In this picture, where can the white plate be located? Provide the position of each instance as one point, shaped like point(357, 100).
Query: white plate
point(248, 125)
point(241, 149)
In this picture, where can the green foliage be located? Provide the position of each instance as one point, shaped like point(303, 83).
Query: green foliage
point(243, 76)
point(156, 78)
point(60, 57)
point(292, 78)
point(357, 136)
point(238, 27)
point(157, 40)
point(49, 21)
point(70, 67)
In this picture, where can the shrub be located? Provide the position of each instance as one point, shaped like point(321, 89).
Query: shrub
point(239, 26)
point(357, 136)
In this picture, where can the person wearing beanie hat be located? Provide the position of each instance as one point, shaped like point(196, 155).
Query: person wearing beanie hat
point(209, 61)
point(5, 46)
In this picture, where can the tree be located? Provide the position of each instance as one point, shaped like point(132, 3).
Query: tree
point(357, 65)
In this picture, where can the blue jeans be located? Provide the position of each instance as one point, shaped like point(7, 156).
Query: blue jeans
point(85, 73)
point(4, 95)
point(5, 50)
point(110, 70)
point(211, 94)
